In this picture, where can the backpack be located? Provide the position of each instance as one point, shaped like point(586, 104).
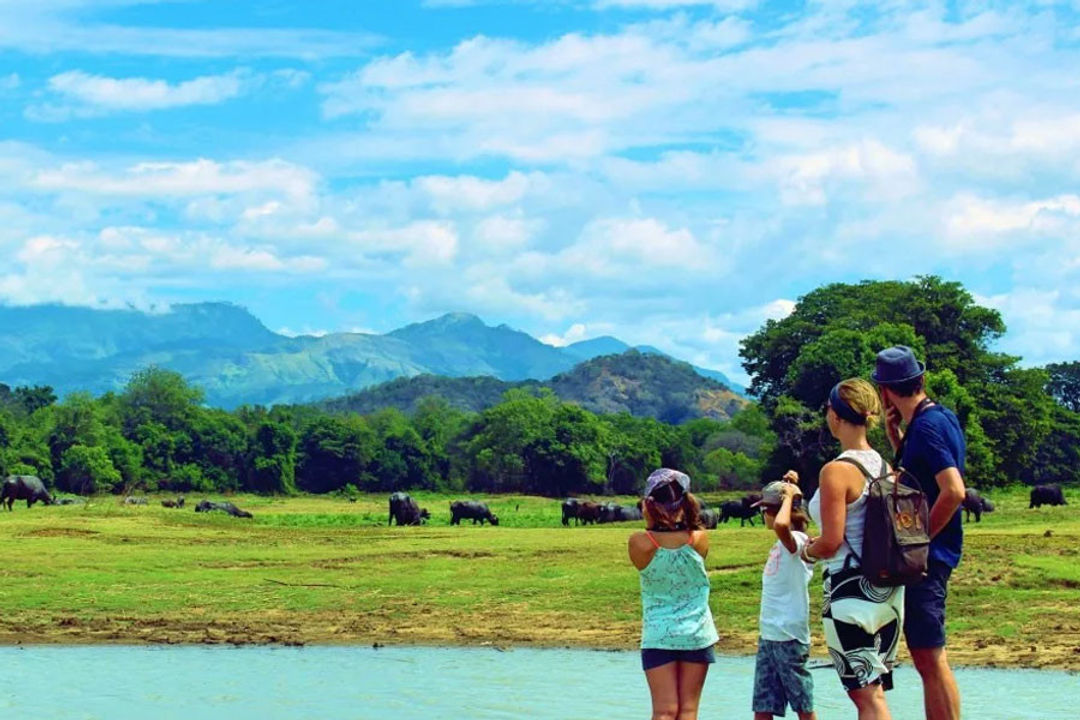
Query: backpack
point(896, 534)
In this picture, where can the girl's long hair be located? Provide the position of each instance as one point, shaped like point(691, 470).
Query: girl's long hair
point(668, 508)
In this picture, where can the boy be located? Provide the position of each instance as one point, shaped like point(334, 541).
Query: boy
point(781, 677)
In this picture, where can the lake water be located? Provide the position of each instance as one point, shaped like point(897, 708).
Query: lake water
point(406, 683)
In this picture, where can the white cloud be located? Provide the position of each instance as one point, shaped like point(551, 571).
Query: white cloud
point(879, 172)
point(10, 82)
point(465, 192)
point(974, 223)
point(181, 179)
point(499, 234)
point(613, 246)
point(106, 93)
point(574, 333)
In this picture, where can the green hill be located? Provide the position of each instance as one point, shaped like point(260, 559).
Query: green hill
point(637, 383)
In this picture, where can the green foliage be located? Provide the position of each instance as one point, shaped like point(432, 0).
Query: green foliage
point(1064, 384)
point(835, 332)
point(273, 455)
point(86, 470)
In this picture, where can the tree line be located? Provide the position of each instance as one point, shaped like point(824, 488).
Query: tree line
point(1022, 424)
point(156, 434)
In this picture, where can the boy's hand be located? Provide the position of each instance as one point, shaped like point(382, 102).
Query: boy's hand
point(791, 490)
point(791, 477)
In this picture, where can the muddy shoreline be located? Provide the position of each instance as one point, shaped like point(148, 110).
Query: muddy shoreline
point(364, 631)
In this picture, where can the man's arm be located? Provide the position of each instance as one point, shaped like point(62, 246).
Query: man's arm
point(951, 483)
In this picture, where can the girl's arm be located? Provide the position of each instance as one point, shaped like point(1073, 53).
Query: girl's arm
point(700, 542)
point(782, 523)
point(641, 550)
point(832, 487)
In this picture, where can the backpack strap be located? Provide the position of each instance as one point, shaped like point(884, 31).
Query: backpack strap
point(869, 478)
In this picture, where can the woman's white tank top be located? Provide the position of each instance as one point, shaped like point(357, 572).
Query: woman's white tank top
point(856, 511)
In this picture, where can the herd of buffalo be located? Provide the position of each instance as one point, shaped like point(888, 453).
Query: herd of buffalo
point(404, 510)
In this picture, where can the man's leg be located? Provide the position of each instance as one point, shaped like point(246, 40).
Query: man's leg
point(941, 696)
point(924, 630)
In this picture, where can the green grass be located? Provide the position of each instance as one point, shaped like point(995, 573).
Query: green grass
point(322, 569)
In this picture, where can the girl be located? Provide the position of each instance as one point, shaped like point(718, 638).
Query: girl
point(781, 677)
point(677, 629)
point(862, 620)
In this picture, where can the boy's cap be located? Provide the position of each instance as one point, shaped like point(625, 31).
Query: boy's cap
point(772, 495)
point(663, 476)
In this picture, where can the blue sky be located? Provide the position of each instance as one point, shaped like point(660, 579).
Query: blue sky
point(673, 172)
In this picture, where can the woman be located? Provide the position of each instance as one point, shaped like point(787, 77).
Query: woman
point(862, 620)
point(677, 628)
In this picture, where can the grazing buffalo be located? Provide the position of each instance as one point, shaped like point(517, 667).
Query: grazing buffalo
point(405, 511)
point(588, 512)
point(741, 509)
point(207, 506)
point(975, 503)
point(24, 487)
point(610, 512)
point(1046, 495)
point(177, 503)
point(709, 518)
point(570, 510)
point(133, 500)
point(471, 510)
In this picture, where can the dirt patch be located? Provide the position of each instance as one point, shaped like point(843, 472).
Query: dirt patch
point(60, 532)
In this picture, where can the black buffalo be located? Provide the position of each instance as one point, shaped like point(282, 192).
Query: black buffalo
point(471, 510)
point(24, 487)
point(228, 507)
point(570, 510)
point(610, 512)
point(405, 511)
point(741, 509)
point(709, 518)
point(975, 503)
point(177, 503)
point(1046, 495)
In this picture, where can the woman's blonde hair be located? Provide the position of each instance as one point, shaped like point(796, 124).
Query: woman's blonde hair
point(863, 398)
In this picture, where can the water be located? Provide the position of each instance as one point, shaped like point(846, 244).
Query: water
point(345, 683)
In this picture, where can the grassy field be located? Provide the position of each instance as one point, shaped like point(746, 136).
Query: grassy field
point(324, 570)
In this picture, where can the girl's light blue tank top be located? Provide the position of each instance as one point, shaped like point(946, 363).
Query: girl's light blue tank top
point(675, 612)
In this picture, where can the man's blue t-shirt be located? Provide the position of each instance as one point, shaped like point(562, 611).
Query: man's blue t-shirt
point(934, 442)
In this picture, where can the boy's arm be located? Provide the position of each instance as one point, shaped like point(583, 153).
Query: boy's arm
point(782, 523)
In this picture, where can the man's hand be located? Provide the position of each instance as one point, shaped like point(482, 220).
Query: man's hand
point(893, 418)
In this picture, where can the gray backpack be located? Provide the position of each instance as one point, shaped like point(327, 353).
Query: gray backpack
point(896, 534)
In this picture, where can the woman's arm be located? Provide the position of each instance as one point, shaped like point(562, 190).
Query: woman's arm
point(782, 523)
point(832, 487)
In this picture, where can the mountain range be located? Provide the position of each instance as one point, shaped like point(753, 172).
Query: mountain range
point(237, 360)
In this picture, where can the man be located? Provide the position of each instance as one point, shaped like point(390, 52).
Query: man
point(932, 448)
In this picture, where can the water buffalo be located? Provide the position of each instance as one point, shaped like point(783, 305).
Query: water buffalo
point(207, 506)
point(1046, 495)
point(177, 503)
point(133, 500)
point(610, 512)
point(588, 512)
point(709, 518)
point(570, 510)
point(739, 509)
point(405, 511)
point(471, 510)
point(975, 503)
point(24, 487)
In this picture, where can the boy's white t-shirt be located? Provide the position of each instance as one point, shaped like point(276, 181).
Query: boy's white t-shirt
point(785, 600)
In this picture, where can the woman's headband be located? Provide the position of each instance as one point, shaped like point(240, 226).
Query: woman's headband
point(842, 409)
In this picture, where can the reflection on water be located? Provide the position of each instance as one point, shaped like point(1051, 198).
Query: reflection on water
point(340, 683)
